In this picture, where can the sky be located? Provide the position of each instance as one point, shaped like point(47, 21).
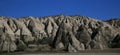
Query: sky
point(99, 9)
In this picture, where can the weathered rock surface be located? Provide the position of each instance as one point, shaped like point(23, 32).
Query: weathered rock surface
point(67, 33)
point(115, 43)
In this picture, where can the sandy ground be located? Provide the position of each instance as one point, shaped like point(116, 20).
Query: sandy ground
point(73, 54)
point(87, 52)
point(105, 53)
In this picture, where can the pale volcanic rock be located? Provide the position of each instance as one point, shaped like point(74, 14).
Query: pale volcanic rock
point(37, 28)
point(61, 32)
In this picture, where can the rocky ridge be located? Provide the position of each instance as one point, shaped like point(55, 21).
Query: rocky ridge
point(66, 33)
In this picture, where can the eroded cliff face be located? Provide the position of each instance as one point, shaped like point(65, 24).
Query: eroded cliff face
point(115, 43)
point(67, 33)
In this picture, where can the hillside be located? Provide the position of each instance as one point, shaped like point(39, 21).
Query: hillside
point(58, 33)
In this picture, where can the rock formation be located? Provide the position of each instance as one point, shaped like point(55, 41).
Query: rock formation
point(66, 33)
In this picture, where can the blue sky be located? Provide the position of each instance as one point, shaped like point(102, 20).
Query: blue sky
point(100, 9)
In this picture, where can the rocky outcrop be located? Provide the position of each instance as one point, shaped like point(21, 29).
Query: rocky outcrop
point(66, 33)
point(115, 43)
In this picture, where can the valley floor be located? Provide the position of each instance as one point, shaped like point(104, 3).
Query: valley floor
point(71, 54)
point(86, 52)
